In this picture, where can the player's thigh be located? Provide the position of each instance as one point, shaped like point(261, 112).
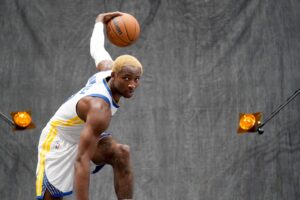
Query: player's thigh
point(49, 197)
point(109, 150)
point(106, 148)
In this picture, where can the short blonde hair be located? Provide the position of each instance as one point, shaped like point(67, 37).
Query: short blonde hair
point(124, 60)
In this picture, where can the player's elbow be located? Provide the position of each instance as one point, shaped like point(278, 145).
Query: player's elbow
point(78, 163)
point(104, 65)
point(81, 162)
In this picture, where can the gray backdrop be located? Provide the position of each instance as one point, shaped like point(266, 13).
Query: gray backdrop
point(205, 62)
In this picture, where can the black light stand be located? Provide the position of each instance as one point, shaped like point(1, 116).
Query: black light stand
point(259, 128)
point(5, 118)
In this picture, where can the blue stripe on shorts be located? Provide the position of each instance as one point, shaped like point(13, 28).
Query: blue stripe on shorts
point(52, 190)
point(104, 135)
point(56, 192)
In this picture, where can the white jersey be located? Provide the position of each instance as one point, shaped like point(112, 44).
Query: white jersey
point(66, 120)
point(59, 139)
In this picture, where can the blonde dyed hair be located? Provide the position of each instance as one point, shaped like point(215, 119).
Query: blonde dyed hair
point(126, 60)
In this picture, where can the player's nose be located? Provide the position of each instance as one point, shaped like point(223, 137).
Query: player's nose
point(131, 86)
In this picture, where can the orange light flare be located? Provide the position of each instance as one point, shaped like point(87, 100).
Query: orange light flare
point(22, 119)
point(249, 122)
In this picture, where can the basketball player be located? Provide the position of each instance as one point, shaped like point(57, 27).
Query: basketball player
point(74, 143)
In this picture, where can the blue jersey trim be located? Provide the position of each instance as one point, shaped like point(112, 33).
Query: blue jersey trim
point(109, 91)
point(114, 104)
point(98, 168)
point(102, 97)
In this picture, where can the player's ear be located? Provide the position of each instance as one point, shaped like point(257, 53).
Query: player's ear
point(113, 74)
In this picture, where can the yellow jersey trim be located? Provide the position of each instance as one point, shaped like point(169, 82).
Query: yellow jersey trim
point(46, 148)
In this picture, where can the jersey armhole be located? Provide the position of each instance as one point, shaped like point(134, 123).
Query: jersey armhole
point(102, 97)
point(94, 95)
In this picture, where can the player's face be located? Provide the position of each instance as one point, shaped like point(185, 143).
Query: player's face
point(127, 80)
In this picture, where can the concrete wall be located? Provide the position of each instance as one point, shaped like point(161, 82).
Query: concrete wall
point(205, 62)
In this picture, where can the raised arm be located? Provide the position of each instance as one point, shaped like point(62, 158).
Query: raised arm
point(97, 115)
point(102, 58)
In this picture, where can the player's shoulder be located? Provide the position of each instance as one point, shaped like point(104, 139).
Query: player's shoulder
point(92, 104)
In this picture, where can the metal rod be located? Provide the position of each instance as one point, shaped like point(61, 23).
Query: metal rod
point(279, 108)
point(5, 118)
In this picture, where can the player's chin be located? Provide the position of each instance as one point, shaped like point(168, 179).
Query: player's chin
point(128, 95)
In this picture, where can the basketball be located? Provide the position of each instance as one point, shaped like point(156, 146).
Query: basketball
point(123, 30)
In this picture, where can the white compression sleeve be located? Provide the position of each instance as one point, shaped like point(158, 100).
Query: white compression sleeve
point(97, 48)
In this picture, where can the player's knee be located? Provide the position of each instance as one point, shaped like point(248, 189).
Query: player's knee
point(125, 148)
point(122, 155)
point(124, 151)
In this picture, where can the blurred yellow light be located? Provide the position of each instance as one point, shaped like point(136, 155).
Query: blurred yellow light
point(247, 121)
point(22, 119)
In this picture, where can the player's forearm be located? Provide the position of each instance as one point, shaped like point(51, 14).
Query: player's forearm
point(82, 177)
point(97, 38)
point(97, 49)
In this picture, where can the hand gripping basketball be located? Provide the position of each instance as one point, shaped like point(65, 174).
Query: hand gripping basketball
point(123, 30)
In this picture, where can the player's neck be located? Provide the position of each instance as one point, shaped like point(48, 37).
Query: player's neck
point(115, 95)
